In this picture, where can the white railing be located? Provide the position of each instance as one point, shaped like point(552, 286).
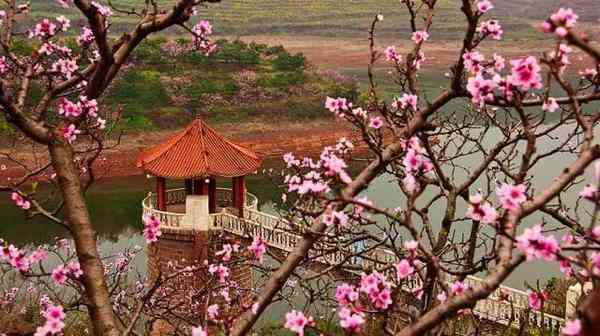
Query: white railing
point(168, 220)
point(506, 305)
point(173, 220)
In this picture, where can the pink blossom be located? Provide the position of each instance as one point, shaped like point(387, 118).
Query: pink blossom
point(225, 252)
point(351, 321)
point(481, 211)
point(86, 38)
point(411, 246)
point(381, 299)
point(103, 10)
point(418, 61)
point(37, 256)
point(511, 196)
point(442, 297)
point(65, 23)
point(550, 105)
point(534, 245)
point(54, 313)
point(481, 89)
point(405, 101)
point(526, 73)
point(199, 331)
point(420, 36)
point(88, 106)
point(458, 288)
point(536, 299)
point(484, 6)
point(70, 133)
point(571, 328)
point(336, 105)
point(345, 294)
point(59, 275)
point(20, 201)
point(410, 183)
point(338, 218)
point(221, 271)
point(597, 171)
point(3, 65)
point(74, 268)
point(296, 322)
point(44, 29)
point(589, 192)
point(375, 123)
point(565, 17)
point(68, 108)
point(588, 73)
point(403, 269)
point(499, 62)
point(596, 263)
point(202, 31)
point(65, 67)
point(391, 55)
point(491, 28)
point(565, 268)
point(151, 229)
point(213, 311)
point(258, 248)
point(473, 61)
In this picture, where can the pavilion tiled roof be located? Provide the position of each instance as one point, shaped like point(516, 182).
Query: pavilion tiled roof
point(198, 151)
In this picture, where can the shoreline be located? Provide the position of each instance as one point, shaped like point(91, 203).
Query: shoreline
point(270, 142)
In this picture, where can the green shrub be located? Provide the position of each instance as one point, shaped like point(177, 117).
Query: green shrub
point(274, 50)
point(287, 62)
point(230, 89)
point(22, 47)
point(283, 80)
point(140, 92)
point(138, 123)
point(237, 52)
point(200, 87)
point(305, 108)
point(150, 51)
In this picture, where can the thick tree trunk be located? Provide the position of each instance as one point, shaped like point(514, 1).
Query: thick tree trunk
point(77, 215)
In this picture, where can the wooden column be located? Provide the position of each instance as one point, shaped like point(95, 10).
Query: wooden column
point(161, 193)
point(200, 187)
point(239, 194)
point(189, 187)
point(212, 196)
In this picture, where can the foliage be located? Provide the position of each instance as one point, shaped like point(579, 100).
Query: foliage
point(287, 62)
point(150, 51)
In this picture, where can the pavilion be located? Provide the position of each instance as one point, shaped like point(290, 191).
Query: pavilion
point(198, 155)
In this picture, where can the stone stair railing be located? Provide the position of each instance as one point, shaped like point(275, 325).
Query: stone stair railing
point(507, 306)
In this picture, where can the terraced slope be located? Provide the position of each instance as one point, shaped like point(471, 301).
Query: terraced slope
point(349, 18)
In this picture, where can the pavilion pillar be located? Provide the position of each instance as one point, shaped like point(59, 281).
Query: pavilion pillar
point(161, 203)
point(239, 194)
point(200, 187)
point(212, 196)
point(189, 187)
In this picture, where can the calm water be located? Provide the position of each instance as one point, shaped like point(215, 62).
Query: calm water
point(115, 206)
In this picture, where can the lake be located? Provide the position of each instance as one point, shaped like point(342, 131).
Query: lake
point(115, 207)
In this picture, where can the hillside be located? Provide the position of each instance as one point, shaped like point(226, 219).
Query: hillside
point(349, 18)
